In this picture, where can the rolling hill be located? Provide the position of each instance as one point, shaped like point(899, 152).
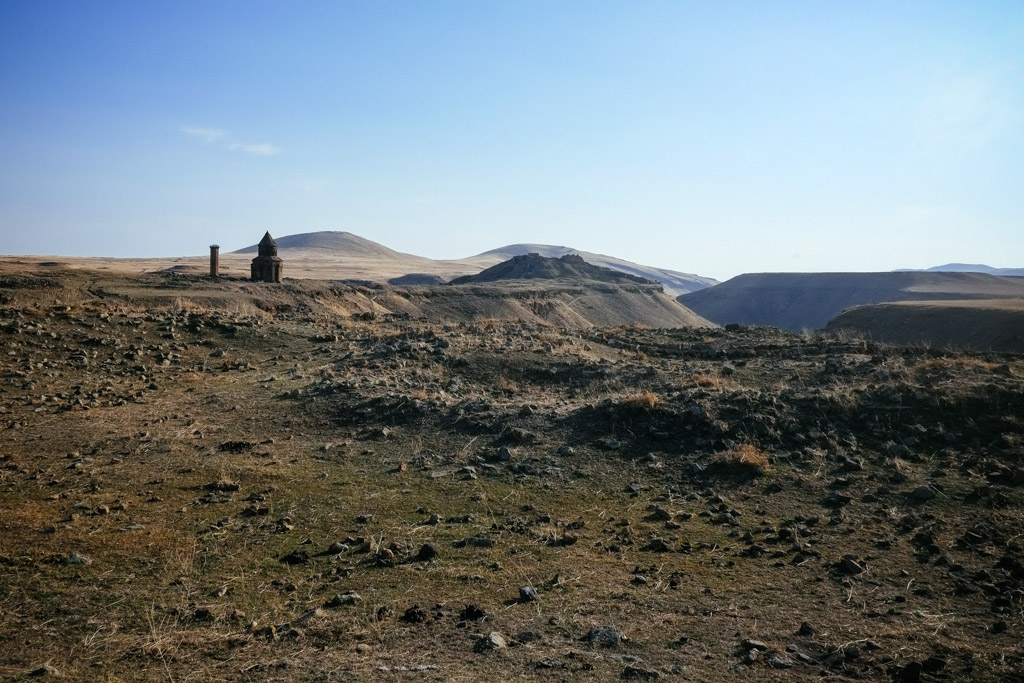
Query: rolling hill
point(537, 267)
point(808, 301)
point(976, 325)
point(976, 268)
point(334, 242)
point(674, 282)
point(343, 255)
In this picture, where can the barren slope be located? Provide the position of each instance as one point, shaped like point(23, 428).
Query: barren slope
point(562, 304)
point(807, 301)
point(980, 325)
point(674, 282)
point(536, 267)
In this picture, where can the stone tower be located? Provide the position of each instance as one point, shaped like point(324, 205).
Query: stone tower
point(266, 267)
point(214, 260)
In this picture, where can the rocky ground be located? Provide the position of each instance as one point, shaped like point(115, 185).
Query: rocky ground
point(192, 493)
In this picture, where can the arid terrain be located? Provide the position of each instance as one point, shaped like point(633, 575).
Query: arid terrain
point(206, 480)
point(980, 324)
point(952, 310)
point(336, 255)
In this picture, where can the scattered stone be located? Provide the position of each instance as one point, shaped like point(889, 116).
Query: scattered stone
point(309, 615)
point(296, 556)
point(604, 636)
point(527, 594)
point(75, 559)
point(806, 630)
point(922, 494)
point(550, 664)
point(657, 545)
point(342, 600)
point(472, 613)
point(911, 673)
point(659, 514)
point(222, 486)
point(849, 565)
point(492, 641)
point(203, 614)
point(636, 673)
point(751, 644)
point(45, 670)
point(475, 542)
point(414, 615)
point(427, 553)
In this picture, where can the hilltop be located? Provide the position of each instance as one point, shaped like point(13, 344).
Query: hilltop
point(674, 282)
point(533, 266)
point(976, 268)
point(334, 241)
point(808, 301)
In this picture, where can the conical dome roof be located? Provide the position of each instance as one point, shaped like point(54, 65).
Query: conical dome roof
point(267, 246)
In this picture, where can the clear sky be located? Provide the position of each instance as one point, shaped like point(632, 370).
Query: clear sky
point(709, 137)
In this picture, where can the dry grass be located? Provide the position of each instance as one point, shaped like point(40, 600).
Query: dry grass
point(506, 386)
point(646, 399)
point(747, 455)
point(707, 380)
point(945, 363)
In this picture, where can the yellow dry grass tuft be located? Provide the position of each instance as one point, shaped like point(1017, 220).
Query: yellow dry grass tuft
point(706, 380)
point(646, 399)
point(747, 455)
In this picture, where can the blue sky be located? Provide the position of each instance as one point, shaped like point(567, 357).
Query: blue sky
point(712, 137)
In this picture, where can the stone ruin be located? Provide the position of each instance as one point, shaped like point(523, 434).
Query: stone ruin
point(267, 266)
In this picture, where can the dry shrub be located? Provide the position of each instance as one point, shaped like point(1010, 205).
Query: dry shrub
point(747, 455)
point(646, 400)
point(505, 385)
point(706, 380)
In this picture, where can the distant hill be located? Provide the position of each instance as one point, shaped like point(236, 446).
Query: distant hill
point(537, 267)
point(417, 279)
point(674, 282)
point(321, 254)
point(976, 325)
point(333, 255)
point(808, 301)
point(333, 241)
point(976, 268)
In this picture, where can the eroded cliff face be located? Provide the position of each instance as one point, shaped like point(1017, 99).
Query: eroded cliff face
point(563, 303)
